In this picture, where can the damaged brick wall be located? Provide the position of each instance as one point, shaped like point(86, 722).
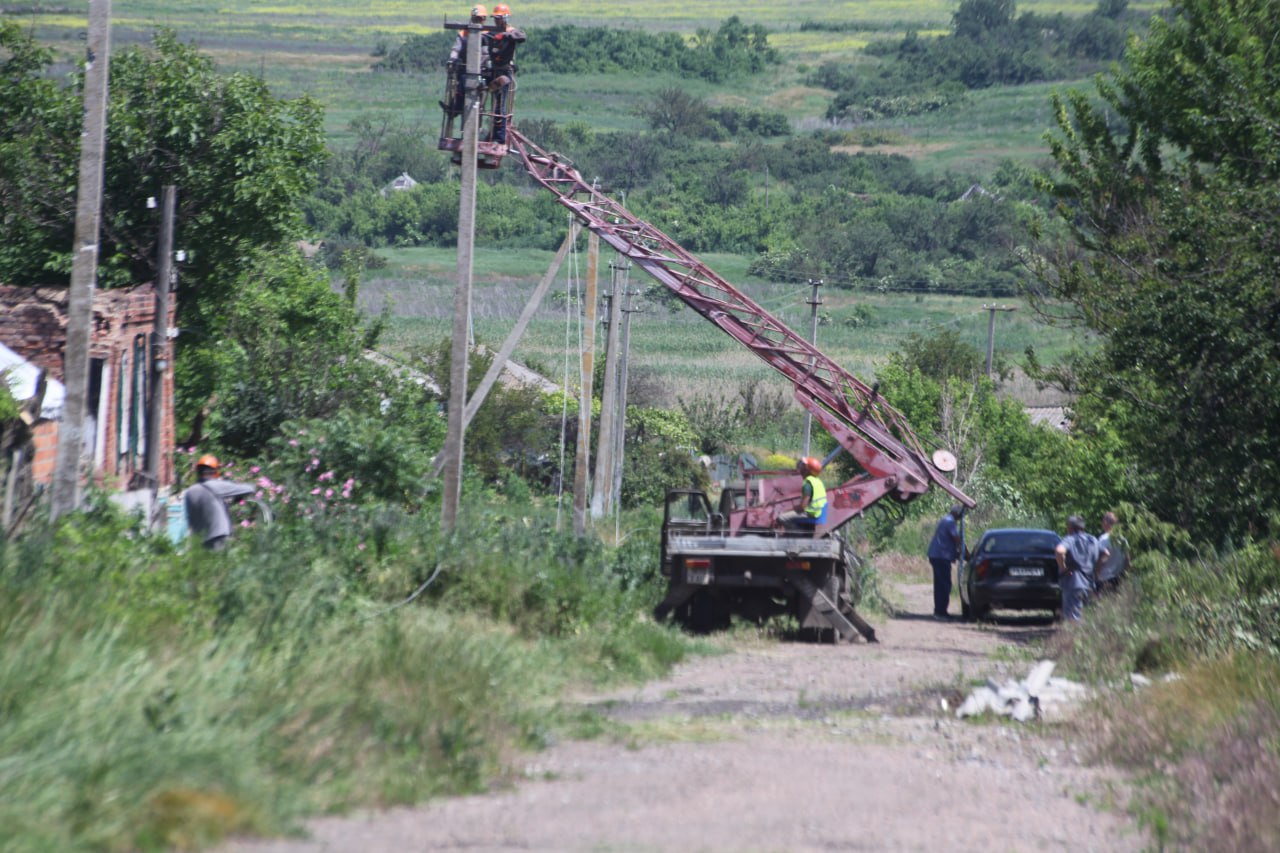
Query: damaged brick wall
point(33, 324)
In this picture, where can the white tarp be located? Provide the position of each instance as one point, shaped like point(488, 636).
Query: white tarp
point(21, 376)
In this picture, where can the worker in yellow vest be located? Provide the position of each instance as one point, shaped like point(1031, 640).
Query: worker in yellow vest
point(812, 509)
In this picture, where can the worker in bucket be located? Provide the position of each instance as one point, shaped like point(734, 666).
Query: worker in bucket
point(457, 62)
point(502, 74)
point(206, 503)
point(812, 509)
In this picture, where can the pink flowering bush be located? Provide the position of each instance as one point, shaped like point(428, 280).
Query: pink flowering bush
point(326, 467)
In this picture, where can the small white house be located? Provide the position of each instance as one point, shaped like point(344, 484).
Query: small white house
point(404, 182)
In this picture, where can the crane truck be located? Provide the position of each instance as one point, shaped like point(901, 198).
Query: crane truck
point(738, 557)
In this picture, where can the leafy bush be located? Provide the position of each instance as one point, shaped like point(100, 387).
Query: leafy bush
point(8, 406)
point(290, 348)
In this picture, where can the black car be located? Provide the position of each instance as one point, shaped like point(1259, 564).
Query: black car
point(1013, 569)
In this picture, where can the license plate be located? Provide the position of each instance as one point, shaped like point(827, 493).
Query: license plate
point(698, 576)
point(1026, 572)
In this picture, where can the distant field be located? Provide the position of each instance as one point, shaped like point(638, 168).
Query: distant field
point(690, 356)
point(324, 49)
point(350, 21)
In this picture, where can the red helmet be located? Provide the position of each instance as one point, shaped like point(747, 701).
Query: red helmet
point(501, 10)
point(208, 461)
point(809, 465)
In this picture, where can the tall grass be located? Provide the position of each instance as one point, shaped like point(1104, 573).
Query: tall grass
point(153, 697)
point(1205, 750)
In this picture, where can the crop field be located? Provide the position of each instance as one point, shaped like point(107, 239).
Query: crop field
point(689, 356)
point(351, 21)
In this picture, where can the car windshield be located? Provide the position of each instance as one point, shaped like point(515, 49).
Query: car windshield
point(1020, 542)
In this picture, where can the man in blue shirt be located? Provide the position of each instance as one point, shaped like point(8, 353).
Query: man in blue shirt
point(944, 550)
point(1077, 556)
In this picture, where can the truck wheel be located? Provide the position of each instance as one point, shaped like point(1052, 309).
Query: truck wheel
point(706, 614)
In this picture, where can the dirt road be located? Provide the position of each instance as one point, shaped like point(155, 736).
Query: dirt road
point(782, 746)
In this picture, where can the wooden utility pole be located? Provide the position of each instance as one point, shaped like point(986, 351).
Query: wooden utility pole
point(814, 302)
point(602, 494)
point(454, 437)
point(517, 332)
point(160, 360)
point(582, 459)
point(84, 263)
point(620, 432)
point(991, 330)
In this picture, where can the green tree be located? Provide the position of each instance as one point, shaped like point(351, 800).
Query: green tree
point(512, 430)
point(287, 348)
point(675, 111)
point(240, 158)
point(39, 132)
point(1172, 213)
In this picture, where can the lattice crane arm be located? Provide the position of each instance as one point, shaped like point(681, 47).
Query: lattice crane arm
point(875, 433)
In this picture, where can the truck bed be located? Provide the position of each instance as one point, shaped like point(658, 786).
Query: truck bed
point(751, 545)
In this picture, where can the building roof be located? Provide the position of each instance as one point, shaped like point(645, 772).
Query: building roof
point(1053, 416)
point(403, 182)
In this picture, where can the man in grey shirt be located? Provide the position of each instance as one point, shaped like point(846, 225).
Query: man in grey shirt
point(1077, 556)
point(1114, 560)
point(206, 503)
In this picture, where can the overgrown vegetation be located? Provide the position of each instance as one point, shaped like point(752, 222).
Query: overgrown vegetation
point(156, 698)
point(803, 209)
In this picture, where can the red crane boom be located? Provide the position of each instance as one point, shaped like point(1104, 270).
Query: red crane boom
point(873, 432)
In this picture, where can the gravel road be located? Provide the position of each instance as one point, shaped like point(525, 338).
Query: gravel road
point(780, 746)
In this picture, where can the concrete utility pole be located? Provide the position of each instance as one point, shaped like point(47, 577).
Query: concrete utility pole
point(620, 432)
point(991, 330)
point(814, 302)
point(602, 494)
point(582, 460)
point(160, 359)
point(84, 263)
point(458, 353)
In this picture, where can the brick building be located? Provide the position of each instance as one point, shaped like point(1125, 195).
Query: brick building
point(33, 324)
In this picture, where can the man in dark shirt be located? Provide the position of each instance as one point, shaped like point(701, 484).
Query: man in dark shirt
point(501, 45)
point(206, 503)
point(944, 550)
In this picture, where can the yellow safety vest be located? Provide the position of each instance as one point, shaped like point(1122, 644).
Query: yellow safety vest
point(818, 501)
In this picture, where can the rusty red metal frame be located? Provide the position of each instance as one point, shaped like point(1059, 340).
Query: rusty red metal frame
point(873, 432)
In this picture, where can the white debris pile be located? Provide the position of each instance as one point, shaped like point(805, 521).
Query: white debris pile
point(1037, 697)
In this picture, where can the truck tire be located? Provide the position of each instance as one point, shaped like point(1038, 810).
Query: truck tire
point(704, 614)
